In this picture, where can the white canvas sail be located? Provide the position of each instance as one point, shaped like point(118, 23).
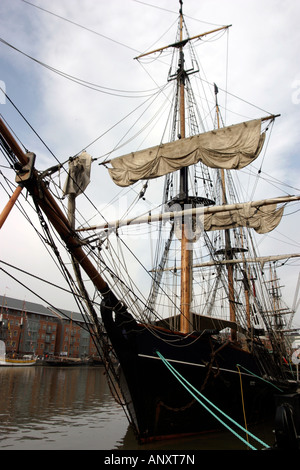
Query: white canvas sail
point(232, 147)
point(263, 216)
point(79, 174)
point(262, 219)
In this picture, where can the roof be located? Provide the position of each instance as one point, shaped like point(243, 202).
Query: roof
point(31, 307)
point(23, 305)
point(68, 315)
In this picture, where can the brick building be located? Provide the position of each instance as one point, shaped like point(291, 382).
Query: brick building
point(31, 328)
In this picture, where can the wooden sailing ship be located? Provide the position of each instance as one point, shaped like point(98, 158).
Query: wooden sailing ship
point(171, 350)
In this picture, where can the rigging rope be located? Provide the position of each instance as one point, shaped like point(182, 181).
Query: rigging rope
point(243, 403)
point(79, 81)
point(190, 387)
point(80, 26)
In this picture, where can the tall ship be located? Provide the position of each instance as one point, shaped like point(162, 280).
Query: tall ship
point(204, 331)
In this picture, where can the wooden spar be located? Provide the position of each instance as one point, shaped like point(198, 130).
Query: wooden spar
point(4, 214)
point(13, 143)
point(23, 160)
point(181, 42)
point(55, 215)
point(259, 259)
point(148, 219)
point(271, 117)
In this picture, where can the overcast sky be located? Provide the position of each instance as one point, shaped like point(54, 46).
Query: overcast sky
point(96, 41)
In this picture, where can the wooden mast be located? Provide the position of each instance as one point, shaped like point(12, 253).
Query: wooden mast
point(63, 226)
point(228, 251)
point(186, 252)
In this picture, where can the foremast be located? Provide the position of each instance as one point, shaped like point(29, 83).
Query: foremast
point(186, 253)
point(183, 199)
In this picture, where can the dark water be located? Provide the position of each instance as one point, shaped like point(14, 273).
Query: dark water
point(45, 408)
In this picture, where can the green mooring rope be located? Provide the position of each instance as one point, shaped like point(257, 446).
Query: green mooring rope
point(260, 378)
point(188, 386)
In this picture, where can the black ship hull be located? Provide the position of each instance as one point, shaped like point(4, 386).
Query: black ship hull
point(160, 406)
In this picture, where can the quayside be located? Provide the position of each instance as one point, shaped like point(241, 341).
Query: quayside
point(207, 319)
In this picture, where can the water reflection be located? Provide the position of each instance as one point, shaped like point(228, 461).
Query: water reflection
point(72, 409)
point(58, 408)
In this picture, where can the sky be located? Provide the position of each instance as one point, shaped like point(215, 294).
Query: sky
point(68, 69)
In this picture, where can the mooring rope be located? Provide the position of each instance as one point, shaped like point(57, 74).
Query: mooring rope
point(243, 403)
point(260, 378)
point(189, 387)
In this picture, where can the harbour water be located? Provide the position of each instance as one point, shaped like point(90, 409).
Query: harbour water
point(53, 408)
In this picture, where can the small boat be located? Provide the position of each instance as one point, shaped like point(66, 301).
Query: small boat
point(19, 361)
point(65, 362)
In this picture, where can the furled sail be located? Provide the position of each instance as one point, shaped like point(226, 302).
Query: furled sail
point(79, 174)
point(232, 147)
point(261, 215)
point(262, 219)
